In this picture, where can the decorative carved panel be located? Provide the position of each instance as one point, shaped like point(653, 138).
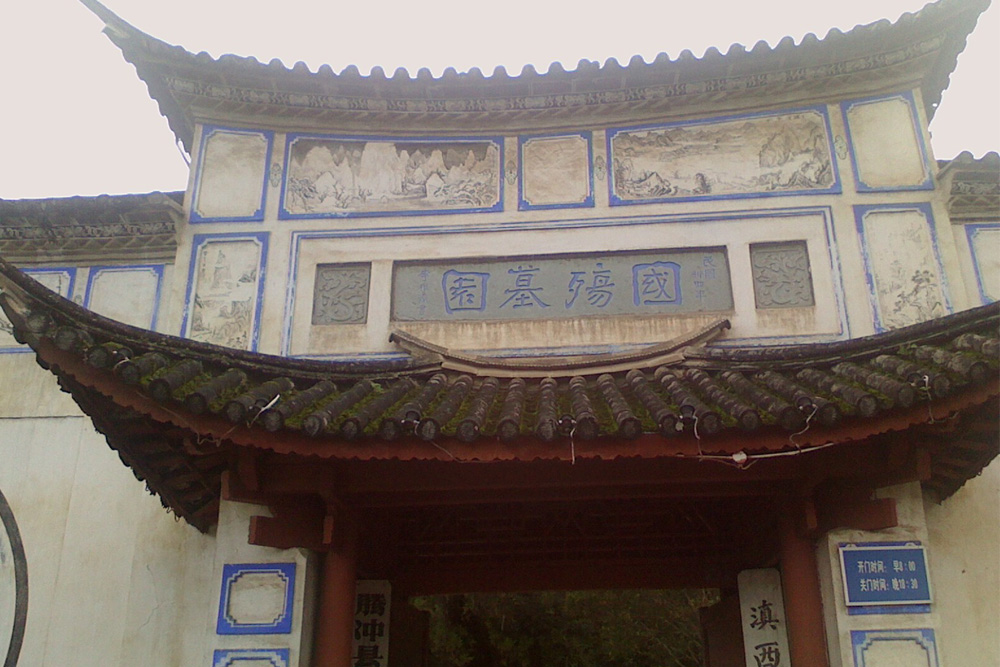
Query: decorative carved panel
point(630, 283)
point(781, 275)
point(341, 294)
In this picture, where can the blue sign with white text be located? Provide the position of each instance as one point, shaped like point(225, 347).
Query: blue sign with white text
point(885, 574)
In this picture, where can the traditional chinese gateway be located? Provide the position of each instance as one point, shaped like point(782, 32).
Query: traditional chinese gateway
point(718, 322)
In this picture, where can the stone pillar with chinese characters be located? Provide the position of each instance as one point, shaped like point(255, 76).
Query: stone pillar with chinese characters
point(762, 612)
point(371, 624)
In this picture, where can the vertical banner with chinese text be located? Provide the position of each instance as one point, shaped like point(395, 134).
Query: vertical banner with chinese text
point(762, 610)
point(371, 624)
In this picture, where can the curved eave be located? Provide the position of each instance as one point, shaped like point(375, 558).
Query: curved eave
point(919, 50)
point(948, 402)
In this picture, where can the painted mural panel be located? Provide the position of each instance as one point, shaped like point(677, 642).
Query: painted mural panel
point(786, 153)
point(555, 171)
point(649, 283)
point(888, 151)
point(904, 273)
point(128, 294)
point(231, 175)
point(225, 290)
point(984, 242)
point(342, 176)
point(59, 281)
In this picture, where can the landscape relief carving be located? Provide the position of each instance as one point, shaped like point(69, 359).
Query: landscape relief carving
point(907, 283)
point(783, 153)
point(226, 279)
point(341, 177)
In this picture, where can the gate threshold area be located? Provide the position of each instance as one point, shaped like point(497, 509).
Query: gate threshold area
point(566, 628)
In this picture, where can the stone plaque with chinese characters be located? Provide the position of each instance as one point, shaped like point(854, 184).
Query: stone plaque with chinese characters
point(781, 276)
point(341, 294)
point(628, 283)
point(762, 612)
point(371, 623)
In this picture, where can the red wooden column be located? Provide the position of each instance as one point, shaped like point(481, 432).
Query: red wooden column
point(335, 613)
point(803, 600)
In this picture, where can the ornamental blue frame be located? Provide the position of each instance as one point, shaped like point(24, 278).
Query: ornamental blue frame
point(281, 625)
point(292, 137)
point(522, 203)
point(201, 239)
point(70, 271)
point(859, 220)
point(157, 269)
point(611, 132)
point(277, 657)
point(871, 608)
point(206, 133)
point(906, 96)
point(971, 232)
point(862, 640)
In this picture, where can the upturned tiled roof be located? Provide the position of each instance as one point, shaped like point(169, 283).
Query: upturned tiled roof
point(918, 50)
point(973, 186)
point(91, 228)
point(173, 407)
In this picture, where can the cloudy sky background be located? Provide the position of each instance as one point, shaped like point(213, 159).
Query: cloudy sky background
point(78, 120)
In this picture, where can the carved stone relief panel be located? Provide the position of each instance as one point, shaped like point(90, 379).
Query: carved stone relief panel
point(750, 156)
point(340, 295)
point(347, 176)
point(648, 282)
point(555, 171)
point(781, 275)
point(232, 173)
point(904, 273)
point(886, 143)
point(224, 289)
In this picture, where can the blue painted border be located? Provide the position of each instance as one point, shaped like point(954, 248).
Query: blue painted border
point(554, 224)
point(522, 203)
point(292, 137)
point(278, 657)
point(71, 272)
point(862, 609)
point(611, 132)
point(971, 231)
point(206, 132)
point(155, 268)
point(861, 640)
point(860, 211)
point(282, 626)
point(202, 239)
point(907, 97)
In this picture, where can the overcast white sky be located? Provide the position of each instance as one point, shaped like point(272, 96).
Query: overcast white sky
point(78, 120)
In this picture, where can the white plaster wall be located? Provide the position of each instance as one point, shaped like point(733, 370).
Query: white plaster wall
point(113, 578)
point(232, 548)
point(912, 526)
point(964, 537)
